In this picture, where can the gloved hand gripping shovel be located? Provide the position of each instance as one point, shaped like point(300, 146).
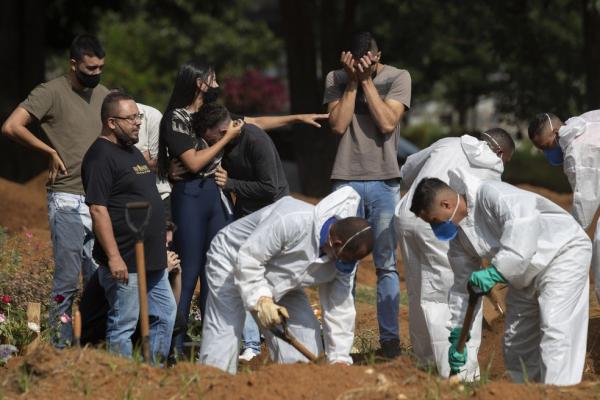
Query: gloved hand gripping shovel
point(141, 269)
point(474, 294)
point(284, 334)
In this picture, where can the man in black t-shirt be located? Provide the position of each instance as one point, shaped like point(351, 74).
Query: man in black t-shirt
point(115, 173)
point(251, 167)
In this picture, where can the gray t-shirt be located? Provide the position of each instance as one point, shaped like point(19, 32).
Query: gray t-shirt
point(364, 153)
point(71, 120)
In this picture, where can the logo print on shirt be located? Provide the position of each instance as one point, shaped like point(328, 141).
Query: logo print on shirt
point(141, 169)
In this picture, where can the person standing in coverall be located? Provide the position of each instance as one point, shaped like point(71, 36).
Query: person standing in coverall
point(426, 265)
point(537, 248)
point(576, 146)
point(263, 262)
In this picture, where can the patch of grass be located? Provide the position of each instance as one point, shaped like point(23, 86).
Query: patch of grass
point(24, 378)
point(366, 342)
point(366, 295)
point(404, 298)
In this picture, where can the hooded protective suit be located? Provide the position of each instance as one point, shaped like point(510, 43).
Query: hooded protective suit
point(544, 255)
point(426, 265)
point(275, 252)
point(579, 140)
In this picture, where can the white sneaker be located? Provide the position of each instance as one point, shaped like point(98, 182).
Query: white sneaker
point(247, 355)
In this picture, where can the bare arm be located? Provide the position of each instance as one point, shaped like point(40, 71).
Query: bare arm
point(273, 122)
point(15, 128)
point(103, 231)
point(386, 113)
point(152, 162)
point(194, 160)
point(342, 110)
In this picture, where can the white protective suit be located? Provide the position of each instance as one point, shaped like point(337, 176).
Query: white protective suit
point(275, 252)
point(544, 255)
point(426, 265)
point(579, 140)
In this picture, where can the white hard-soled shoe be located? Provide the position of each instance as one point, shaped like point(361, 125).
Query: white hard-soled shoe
point(247, 355)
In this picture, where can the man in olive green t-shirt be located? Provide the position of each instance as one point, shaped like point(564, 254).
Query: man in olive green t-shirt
point(366, 100)
point(68, 109)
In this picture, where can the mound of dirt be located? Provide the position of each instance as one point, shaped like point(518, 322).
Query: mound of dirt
point(23, 206)
point(77, 373)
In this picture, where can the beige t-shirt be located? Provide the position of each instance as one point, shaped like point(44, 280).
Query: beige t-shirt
point(71, 120)
point(364, 153)
point(148, 141)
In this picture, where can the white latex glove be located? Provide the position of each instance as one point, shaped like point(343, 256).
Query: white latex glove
point(268, 313)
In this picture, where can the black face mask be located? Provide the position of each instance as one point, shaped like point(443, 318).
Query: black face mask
point(211, 95)
point(86, 80)
point(122, 137)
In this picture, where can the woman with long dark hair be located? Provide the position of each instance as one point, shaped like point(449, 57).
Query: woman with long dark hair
point(199, 209)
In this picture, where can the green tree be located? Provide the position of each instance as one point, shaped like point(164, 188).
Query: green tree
point(148, 40)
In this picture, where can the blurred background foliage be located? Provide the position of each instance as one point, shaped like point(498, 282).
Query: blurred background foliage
point(271, 57)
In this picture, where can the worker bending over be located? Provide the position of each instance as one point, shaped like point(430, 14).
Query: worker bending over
point(262, 263)
point(576, 146)
point(426, 265)
point(534, 246)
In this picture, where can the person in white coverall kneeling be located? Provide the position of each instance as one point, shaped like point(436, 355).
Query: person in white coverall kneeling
point(428, 274)
point(262, 263)
point(576, 146)
point(534, 246)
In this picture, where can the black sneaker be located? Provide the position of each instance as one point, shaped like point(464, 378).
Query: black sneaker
point(390, 348)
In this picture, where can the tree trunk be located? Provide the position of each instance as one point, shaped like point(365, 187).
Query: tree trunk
point(591, 52)
point(21, 69)
point(314, 148)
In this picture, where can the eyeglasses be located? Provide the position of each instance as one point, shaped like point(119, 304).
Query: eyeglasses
point(131, 118)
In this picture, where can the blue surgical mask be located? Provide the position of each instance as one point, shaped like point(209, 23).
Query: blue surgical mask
point(554, 156)
point(446, 230)
point(344, 267)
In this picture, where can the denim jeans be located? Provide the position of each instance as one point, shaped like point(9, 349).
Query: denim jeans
point(378, 201)
point(124, 311)
point(72, 244)
point(251, 334)
point(198, 213)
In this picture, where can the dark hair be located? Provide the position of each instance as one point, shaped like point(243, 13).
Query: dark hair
point(361, 43)
point(539, 123)
point(209, 116)
point(110, 105)
point(345, 228)
point(425, 194)
point(183, 94)
point(86, 45)
point(501, 137)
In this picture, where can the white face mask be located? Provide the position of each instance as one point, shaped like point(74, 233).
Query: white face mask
point(345, 266)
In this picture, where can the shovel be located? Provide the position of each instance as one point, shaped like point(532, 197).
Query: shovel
point(141, 269)
point(474, 294)
point(284, 334)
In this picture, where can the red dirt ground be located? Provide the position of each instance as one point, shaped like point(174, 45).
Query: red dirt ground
point(47, 373)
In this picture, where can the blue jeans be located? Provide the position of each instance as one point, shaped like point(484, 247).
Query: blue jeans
point(124, 311)
point(72, 244)
point(198, 213)
point(378, 201)
point(251, 334)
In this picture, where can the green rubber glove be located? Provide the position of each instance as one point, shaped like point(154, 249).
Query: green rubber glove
point(456, 359)
point(486, 278)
